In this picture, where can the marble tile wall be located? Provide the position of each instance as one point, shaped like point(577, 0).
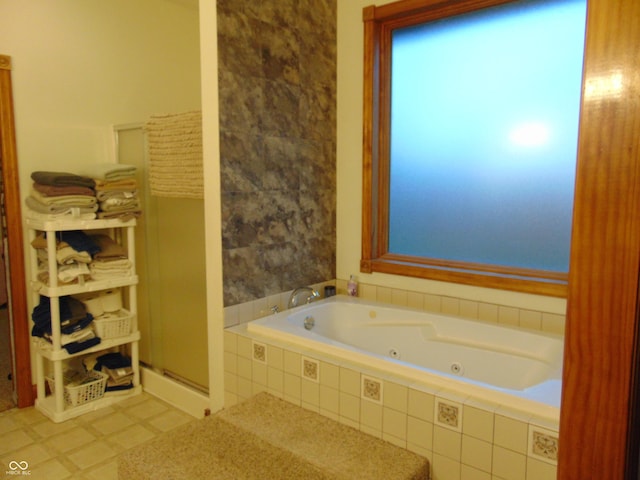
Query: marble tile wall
point(277, 80)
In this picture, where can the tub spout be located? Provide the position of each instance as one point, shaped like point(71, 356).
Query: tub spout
point(302, 295)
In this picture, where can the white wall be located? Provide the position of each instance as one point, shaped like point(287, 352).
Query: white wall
point(81, 66)
point(349, 179)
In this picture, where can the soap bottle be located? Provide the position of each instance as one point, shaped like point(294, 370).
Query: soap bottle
point(352, 287)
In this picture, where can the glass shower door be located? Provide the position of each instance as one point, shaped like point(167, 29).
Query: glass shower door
point(172, 298)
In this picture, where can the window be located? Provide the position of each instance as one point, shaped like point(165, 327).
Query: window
point(470, 137)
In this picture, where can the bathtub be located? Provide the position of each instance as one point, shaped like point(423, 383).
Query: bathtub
point(503, 365)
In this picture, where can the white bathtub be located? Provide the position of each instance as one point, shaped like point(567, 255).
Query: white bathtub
point(504, 365)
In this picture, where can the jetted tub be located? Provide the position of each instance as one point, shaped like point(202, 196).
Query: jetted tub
point(505, 365)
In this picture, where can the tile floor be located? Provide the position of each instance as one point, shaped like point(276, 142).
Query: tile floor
point(85, 447)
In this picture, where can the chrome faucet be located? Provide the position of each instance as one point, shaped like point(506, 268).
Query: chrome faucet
point(302, 295)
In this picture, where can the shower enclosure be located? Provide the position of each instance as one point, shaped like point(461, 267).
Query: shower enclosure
point(171, 294)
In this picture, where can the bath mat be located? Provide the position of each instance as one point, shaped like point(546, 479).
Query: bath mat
point(268, 438)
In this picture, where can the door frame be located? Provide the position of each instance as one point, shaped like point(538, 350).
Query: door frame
point(600, 377)
point(15, 239)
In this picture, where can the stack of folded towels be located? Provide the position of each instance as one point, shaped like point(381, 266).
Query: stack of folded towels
point(76, 332)
point(116, 190)
point(77, 254)
point(116, 365)
point(57, 195)
point(74, 253)
point(106, 190)
point(111, 260)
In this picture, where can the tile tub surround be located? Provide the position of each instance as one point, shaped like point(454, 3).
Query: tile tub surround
point(474, 310)
point(463, 438)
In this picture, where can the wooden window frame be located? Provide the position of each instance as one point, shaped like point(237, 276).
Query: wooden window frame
point(379, 23)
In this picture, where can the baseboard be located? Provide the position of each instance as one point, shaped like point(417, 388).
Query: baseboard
point(180, 396)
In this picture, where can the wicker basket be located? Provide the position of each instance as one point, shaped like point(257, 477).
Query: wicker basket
point(113, 325)
point(92, 388)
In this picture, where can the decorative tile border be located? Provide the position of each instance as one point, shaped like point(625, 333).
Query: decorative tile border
point(540, 442)
point(259, 352)
point(371, 389)
point(543, 444)
point(448, 414)
point(310, 369)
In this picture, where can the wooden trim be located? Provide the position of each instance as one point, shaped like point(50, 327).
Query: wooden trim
point(597, 412)
point(368, 130)
point(5, 62)
point(552, 288)
point(379, 24)
point(14, 237)
point(411, 12)
point(476, 267)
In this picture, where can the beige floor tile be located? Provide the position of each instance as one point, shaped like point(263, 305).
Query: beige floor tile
point(112, 423)
point(86, 447)
point(33, 454)
point(108, 471)
point(131, 436)
point(72, 439)
point(169, 420)
point(92, 455)
point(94, 416)
point(147, 409)
point(14, 440)
point(51, 470)
point(47, 428)
point(8, 424)
point(25, 416)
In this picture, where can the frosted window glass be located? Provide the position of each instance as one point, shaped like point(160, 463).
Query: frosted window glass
point(484, 126)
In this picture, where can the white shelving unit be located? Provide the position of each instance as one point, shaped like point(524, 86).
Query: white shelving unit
point(54, 405)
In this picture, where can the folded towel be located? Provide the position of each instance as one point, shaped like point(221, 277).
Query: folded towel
point(109, 248)
point(109, 171)
point(119, 204)
point(65, 200)
point(40, 207)
point(124, 215)
point(65, 254)
point(73, 316)
point(81, 335)
point(123, 184)
point(121, 194)
point(174, 146)
point(68, 255)
point(72, 213)
point(61, 179)
point(54, 191)
point(69, 273)
point(79, 240)
point(75, 347)
point(110, 269)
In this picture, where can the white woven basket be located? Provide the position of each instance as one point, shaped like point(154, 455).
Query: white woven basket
point(113, 325)
point(93, 389)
